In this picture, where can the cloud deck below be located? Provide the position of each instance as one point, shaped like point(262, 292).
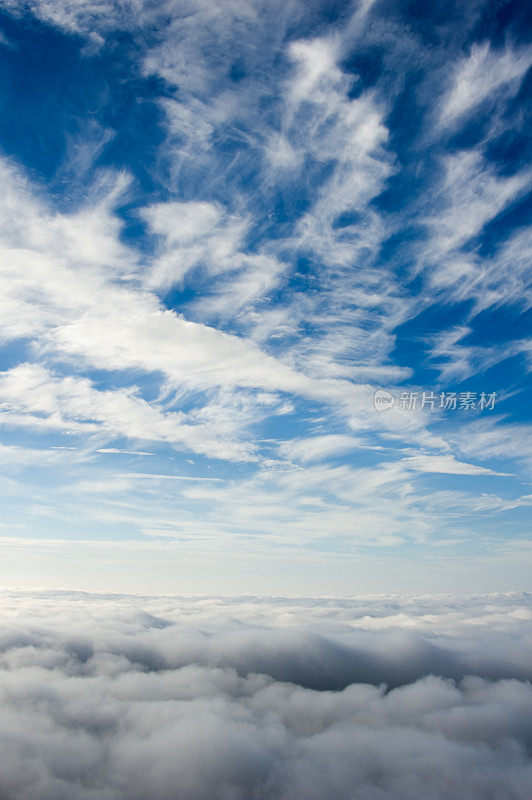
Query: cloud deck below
point(381, 698)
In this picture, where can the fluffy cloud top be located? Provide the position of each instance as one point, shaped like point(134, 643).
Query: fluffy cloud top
point(115, 697)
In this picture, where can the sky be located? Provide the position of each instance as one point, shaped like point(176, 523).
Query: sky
point(264, 305)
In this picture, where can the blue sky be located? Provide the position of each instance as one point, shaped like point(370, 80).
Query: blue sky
point(224, 228)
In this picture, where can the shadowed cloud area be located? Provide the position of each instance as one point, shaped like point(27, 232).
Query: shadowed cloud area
point(108, 697)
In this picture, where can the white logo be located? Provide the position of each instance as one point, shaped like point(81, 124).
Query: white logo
point(383, 400)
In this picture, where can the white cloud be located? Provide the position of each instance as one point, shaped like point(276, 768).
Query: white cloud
point(122, 697)
point(503, 278)
point(194, 234)
point(32, 397)
point(318, 447)
point(489, 438)
point(484, 73)
point(16, 457)
point(456, 360)
point(70, 301)
point(471, 195)
point(78, 16)
point(118, 451)
point(446, 464)
point(324, 123)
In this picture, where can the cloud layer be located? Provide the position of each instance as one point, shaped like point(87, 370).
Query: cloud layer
point(115, 697)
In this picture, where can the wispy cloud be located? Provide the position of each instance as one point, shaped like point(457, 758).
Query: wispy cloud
point(486, 72)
